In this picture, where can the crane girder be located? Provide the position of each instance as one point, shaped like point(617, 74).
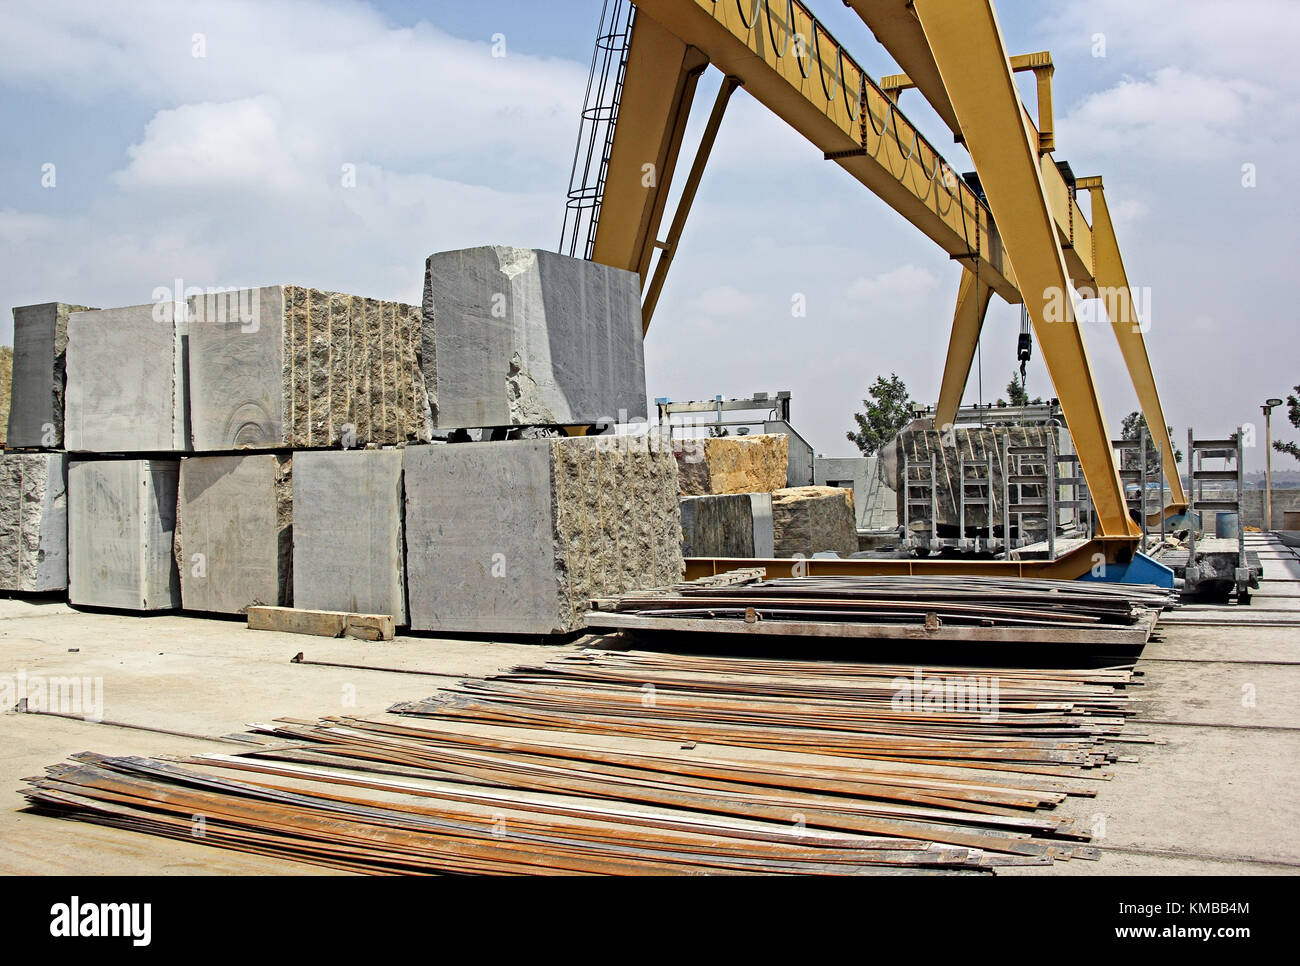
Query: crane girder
point(792, 65)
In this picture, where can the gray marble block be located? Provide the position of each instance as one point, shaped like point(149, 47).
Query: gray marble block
point(121, 528)
point(234, 532)
point(36, 399)
point(728, 525)
point(347, 532)
point(33, 522)
point(517, 537)
point(516, 336)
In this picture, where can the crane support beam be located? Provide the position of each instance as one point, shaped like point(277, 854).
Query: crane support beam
point(669, 245)
point(967, 321)
point(899, 31)
point(968, 48)
point(794, 67)
point(658, 89)
point(1121, 305)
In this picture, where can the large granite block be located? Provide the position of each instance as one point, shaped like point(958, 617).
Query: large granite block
point(732, 464)
point(514, 336)
point(728, 525)
point(234, 532)
point(126, 380)
point(121, 527)
point(36, 401)
point(913, 447)
point(33, 522)
point(347, 532)
point(814, 519)
point(517, 537)
point(285, 366)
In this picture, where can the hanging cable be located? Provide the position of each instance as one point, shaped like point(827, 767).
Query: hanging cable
point(1025, 344)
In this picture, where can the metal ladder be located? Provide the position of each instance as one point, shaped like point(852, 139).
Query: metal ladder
point(596, 129)
point(927, 486)
point(983, 498)
point(1021, 459)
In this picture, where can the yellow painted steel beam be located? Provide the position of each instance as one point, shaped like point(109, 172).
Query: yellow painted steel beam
point(968, 48)
point(1069, 566)
point(792, 65)
point(658, 89)
point(899, 31)
point(1121, 305)
point(669, 244)
point(967, 321)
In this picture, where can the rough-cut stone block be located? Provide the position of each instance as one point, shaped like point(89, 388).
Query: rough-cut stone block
point(347, 532)
point(234, 532)
point(36, 402)
point(732, 464)
point(728, 525)
point(121, 527)
point(126, 381)
point(814, 519)
point(33, 522)
point(514, 336)
point(916, 443)
point(517, 537)
point(286, 366)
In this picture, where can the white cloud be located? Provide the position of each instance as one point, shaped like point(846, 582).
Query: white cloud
point(1173, 112)
point(905, 282)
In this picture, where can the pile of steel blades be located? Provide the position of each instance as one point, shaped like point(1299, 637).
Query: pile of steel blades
point(774, 766)
point(954, 608)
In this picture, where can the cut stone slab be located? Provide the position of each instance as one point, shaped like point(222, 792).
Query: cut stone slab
point(728, 525)
point(234, 532)
point(347, 532)
point(126, 381)
point(516, 336)
point(121, 528)
point(36, 401)
point(321, 623)
point(517, 537)
point(285, 366)
point(732, 464)
point(33, 522)
point(814, 519)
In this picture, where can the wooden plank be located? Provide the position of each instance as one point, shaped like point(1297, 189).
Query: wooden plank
point(1131, 635)
point(322, 623)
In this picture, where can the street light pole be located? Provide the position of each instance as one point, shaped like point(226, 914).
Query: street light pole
point(1268, 461)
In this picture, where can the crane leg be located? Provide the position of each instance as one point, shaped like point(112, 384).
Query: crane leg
point(972, 59)
point(967, 321)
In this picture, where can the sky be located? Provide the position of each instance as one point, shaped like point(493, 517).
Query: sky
point(337, 144)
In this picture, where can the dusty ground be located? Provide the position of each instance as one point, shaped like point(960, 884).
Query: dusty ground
point(1221, 795)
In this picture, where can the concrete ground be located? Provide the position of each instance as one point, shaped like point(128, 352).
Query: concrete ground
point(1220, 793)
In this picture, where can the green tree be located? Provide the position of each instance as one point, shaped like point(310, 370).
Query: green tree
point(1132, 428)
point(1018, 394)
point(887, 410)
point(1293, 414)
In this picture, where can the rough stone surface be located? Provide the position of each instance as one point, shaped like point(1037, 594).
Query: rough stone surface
point(814, 519)
point(121, 527)
point(33, 522)
point(728, 525)
point(515, 336)
point(36, 403)
point(234, 532)
point(285, 366)
point(126, 381)
point(917, 442)
point(517, 537)
point(732, 464)
point(347, 532)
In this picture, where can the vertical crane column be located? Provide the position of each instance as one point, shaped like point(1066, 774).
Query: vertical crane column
point(968, 48)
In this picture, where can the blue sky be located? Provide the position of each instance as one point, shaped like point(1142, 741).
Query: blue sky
point(224, 170)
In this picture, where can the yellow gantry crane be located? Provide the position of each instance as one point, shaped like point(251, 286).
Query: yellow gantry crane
point(1019, 231)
